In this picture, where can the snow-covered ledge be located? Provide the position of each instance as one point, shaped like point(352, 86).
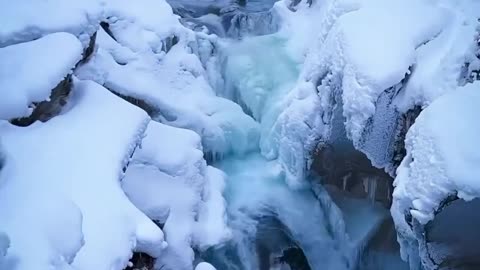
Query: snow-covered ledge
point(30, 71)
point(61, 203)
point(441, 165)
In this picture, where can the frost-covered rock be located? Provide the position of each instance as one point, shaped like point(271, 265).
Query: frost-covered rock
point(168, 179)
point(441, 164)
point(30, 71)
point(71, 190)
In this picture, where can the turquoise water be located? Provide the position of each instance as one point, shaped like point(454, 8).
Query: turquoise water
point(265, 215)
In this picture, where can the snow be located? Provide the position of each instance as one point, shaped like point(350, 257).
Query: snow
point(204, 266)
point(73, 176)
point(169, 180)
point(23, 21)
point(29, 71)
point(439, 62)
point(371, 50)
point(162, 80)
point(441, 159)
point(361, 50)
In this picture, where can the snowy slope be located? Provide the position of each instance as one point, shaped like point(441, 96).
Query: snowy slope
point(29, 71)
point(71, 188)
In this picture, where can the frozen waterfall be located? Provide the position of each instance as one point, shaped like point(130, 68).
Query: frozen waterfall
point(273, 225)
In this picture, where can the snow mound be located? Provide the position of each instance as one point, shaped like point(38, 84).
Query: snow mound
point(371, 50)
point(27, 20)
point(29, 71)
point(441, 160)
point(169, 180)
point(176, 89)
point(204, 266)
point(73, 175)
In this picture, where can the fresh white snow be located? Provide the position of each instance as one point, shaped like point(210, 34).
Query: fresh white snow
point(29, 71)
point(176, 86)
point(71, 190)
point(168, 180)
point(441, 161)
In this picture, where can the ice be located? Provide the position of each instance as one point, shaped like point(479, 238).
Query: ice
point(331, 237)
point(440, 161)
point(260, 75)
point(170, 182)
point(29, 71)
point(71, 189)
point(240, 24)
point(361, 50)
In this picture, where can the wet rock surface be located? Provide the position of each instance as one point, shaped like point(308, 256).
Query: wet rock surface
point(451, 239)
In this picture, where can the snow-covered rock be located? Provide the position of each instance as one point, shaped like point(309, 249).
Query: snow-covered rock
point(364, 70)
point(441, 164)
point(63, 175)
point(204, 266)
point(168, 179)
point(30, 71)
point(174, 86)
point(26, 20)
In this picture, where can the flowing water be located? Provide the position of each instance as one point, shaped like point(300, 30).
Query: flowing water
point(275, 227)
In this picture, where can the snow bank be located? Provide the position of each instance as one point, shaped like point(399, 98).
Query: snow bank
point(71, 189)
point(29, 71)
point(169, 180)
point(27, 20)
point(441, 161)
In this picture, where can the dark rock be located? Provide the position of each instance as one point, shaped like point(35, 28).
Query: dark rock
point(341, 165)
point(106, 27)
point(169, 42)
point(295, 258)
point(46, 110)
point(144, 105)
point(141, 261)
point(451, 238)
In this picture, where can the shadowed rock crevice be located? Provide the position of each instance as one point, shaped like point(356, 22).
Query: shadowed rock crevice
point(46, 110)
point(141, 261)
